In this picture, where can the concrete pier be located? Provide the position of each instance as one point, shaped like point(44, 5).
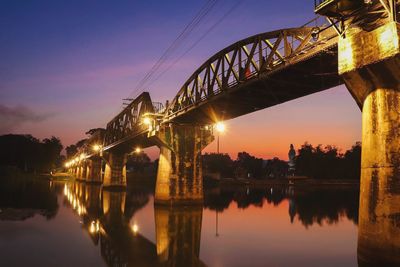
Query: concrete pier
point(179, 176)
point(369, 63)
point(94, 170)
point(115, 172)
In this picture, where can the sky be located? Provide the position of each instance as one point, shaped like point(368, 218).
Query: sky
point(65, 67)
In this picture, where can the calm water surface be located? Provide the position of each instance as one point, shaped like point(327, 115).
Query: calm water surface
point(76, 224)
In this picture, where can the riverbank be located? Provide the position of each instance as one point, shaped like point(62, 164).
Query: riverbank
point(285, 181)
point(7, 172)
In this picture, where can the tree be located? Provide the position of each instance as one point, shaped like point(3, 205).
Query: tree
point(352, 160)
point(71, 150)
point(218, 163)
point(328, 163)
point(52, 148)
point(138, 161)
point(94, 130)
point(80, 143)
point(276, 168)
point(28, 153)
point(251, 165)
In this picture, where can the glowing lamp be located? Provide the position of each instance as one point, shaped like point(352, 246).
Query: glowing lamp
point(96, 147)
point(220, 127)
point(147, 120)
point(135, 228)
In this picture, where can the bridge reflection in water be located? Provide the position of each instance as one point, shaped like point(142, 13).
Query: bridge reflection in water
point(379, 226)
point(106, 216)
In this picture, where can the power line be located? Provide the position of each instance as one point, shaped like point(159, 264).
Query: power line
point(198, 40)
point(176, 43)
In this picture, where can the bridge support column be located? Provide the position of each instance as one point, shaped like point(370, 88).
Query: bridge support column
point(179, 176)
point(115, 172)
point(369, 63)
point(79, 172)
point(94, 170)
point(84, 170)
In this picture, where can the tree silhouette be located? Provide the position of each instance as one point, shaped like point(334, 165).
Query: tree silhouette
point(29, 154)
point(328, 163)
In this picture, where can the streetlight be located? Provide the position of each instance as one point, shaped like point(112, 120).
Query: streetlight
point(96, 147)
point(135, 228)
point(147, 121)
point(220, 127)
point(138, 150)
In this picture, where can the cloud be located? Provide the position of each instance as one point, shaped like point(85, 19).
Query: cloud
point(12, 117)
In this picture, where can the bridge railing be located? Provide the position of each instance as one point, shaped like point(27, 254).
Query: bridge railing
point(158, 107)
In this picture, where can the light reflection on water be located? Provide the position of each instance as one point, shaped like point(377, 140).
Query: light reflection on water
point(271, 226)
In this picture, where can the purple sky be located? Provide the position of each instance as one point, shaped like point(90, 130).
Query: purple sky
point(66, 65)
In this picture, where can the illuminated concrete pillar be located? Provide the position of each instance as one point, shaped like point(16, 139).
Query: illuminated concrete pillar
point(179, 176)
point(178, 232)
point(84, 170)
point(79, 172)
point(115, 172)
point(369, 63)
point(94, 170)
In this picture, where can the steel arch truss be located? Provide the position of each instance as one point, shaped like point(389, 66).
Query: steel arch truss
point(242, 61)
point(129, 121)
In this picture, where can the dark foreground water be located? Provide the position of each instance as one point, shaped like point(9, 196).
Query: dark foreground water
point(75, 224)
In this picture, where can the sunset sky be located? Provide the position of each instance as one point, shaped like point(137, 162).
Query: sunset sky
point(66, 66)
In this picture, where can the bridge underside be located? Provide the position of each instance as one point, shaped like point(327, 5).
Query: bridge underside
point(269, 89)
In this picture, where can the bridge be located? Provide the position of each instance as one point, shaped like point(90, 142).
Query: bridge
point(358, 47)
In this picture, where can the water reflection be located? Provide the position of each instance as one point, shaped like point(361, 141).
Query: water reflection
point(310, 205)
point(184, 236)
point(21, 199)
point(379, 229)
point(178, 231)
point(106, 216)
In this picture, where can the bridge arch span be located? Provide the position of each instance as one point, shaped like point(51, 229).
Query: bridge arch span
point(236, 80)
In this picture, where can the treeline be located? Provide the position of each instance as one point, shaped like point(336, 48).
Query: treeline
point(245, 166)
point(314, 162)
point(30, 154)
point(328, 163)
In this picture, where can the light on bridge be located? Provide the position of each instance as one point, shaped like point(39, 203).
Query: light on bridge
point(135, 228)
point(220, 127)
point(138, 150)
point(147, 121)
point(94, 227)
point(96, 147)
